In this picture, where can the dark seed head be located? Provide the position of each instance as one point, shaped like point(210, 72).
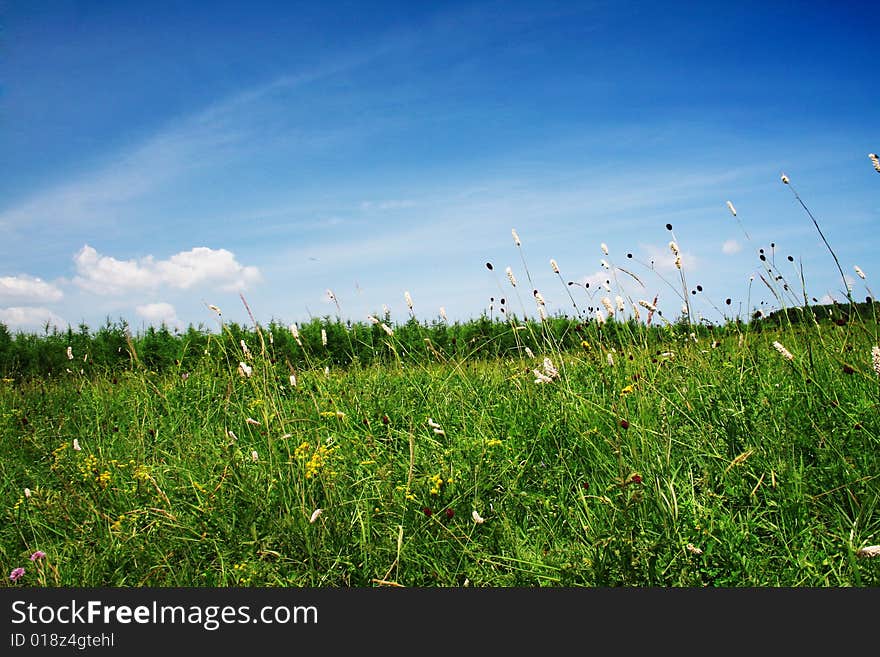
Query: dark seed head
point(427, 511)
point(449, 513)
point(727, 301)
point(699, 288)
point(848, 369)
point(629, 255)
point(624, 424)
point(790, 259)
point(668, 226)
point(763, 257)
point(385, 419)
point(489, 266)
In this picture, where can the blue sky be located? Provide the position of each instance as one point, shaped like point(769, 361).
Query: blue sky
point(160, 157)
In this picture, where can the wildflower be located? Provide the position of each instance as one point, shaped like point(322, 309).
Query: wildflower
point(540, 377)
point(511, 277)
point(315, 515)
point(870, 551)
point(16, 574)
point(215, 309)
point(731, 208)
point(549, 370)
point(604, 248)
point(859, 271)
point(782, 350)
point(875, 355)
point(477, 517)
point(251, 420)
point(627, 389)
point(254, 456)
point(409, 301)
point(875, 161)
point(245, 370)
point(324, 337)
point(387, 329)
point(693, 549)
point(293, 380)
point(554, 266)
point(27, 492)
point(76, 447)
point(39, 554)
point(785, 179)
point(70, 353)
point(515, 237)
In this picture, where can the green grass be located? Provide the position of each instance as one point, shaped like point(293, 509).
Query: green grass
point(723, 464)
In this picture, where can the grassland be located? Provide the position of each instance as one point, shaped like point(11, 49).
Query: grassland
point(666, 457)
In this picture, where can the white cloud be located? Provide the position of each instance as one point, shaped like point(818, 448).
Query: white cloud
point(730, 247)
point(199, 266)
point(159, 313)
point(29, 289)
point(30, 318)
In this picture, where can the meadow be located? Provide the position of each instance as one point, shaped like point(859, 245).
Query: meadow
point(607, 447)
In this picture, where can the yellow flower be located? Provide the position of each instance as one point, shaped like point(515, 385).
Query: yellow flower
point(626, 390)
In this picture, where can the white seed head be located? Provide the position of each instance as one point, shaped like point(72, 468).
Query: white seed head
point(604, 248)
point(409, 301)
point(731, 208)
point(785, 179)
point(324, 337)
point(515, 236)
point(554, 266)
point(604, 264)
point(373, 320)
point(648, 305)
point(608, 307)
point(70, 353)
point(245, 370)
point(600, 317)
point(674, 248)
point(542, 313)
point(443, 314)
point(678, 262)
point(244, 348)
point(621, 304)
point(477, 517)
point(869, 552)
point(693, 549)
point(387, 328)
point(786, 354)
point(231, 434)
point(315, 515)
point(254, 456)
point(529, 353)
point(27, 492)
point(251, 420)
point(76, 447)
point(875, 161)
point(684, 309)
point(610, 359)
point(511, 277)
point(875, 356)
point(293, 380)
point(215, 309)
point(859, 271)
point(539, 298)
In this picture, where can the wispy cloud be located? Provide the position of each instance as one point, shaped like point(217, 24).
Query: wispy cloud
point(218, 268)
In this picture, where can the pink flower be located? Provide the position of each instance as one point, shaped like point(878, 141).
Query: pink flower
point(39, 554)
point(16, 574)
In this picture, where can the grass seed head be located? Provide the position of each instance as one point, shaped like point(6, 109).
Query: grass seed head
point(786, 354)
point(731, 208)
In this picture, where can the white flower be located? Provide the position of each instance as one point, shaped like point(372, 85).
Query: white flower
point(477, 517)
point(540, 377)
point(244, 369)
point(76, 446)
point(254, 456)
point(315, 515)
point(27, 492)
